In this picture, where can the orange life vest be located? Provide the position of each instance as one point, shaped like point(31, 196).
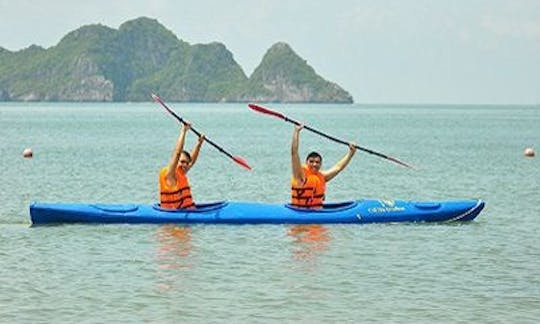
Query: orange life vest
point(311, 193)
point(178, 196)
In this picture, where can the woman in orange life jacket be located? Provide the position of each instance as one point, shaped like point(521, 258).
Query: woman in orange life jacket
point(174, 187)
point(308, 184)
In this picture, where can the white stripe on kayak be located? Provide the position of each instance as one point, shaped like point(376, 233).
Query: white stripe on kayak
point(467, 213)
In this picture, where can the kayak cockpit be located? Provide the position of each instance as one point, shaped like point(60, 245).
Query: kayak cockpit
point(199, 208)
point(326, 208)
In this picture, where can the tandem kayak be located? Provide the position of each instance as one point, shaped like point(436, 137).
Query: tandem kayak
point(231, 212)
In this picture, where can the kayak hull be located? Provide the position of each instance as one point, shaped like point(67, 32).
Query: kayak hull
point(231, 212)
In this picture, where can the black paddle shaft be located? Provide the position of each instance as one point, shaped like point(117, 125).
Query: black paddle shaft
point(181, 120)
point(335, 139)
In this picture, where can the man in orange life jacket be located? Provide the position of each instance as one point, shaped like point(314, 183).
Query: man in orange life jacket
point(308, 183)
point(173, 182)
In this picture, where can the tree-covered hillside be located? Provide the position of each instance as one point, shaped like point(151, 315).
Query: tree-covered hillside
point(98, 63)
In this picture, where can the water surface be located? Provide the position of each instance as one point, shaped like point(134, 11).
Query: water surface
point(483, 271)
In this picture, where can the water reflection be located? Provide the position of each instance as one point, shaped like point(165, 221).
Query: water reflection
point(174, 246)
point(309, 240)
point(173, 256)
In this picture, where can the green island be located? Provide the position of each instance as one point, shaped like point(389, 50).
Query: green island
point(96, 63)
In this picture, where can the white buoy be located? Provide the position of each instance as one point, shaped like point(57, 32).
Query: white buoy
point(27, 153)
point(529, 152)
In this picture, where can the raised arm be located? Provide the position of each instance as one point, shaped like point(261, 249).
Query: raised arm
point(341, 164)
point(173, 162)
point(297, 172)
point(195, 151)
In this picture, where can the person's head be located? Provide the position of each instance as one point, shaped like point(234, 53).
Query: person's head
point(314, 161)
point(185, 160)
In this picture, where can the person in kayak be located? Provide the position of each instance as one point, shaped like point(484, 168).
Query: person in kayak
point(174, 190)
point(308, 184)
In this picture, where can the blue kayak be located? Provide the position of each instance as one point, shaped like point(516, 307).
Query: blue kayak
point(231, 212)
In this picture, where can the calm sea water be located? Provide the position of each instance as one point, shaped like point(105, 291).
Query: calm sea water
point(486, 271)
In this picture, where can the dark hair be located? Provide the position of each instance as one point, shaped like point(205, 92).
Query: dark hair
point(187, 154)
point(314, 155)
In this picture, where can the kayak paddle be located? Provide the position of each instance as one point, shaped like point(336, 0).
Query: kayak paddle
point(236, 159)
point(267, 111)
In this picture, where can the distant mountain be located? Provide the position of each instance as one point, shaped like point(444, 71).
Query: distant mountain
point(285, 76)
point(98, 63)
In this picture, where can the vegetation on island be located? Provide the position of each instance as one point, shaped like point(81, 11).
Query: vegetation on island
point(99, 63)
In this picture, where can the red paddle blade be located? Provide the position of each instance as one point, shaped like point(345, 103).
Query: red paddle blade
point(156, 98)
point(393, 159)
point(241, 161)
point(264, 110)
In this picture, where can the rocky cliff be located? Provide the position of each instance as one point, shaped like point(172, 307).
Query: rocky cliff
point(98, 63)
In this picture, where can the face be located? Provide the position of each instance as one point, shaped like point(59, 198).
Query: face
point(314, 163)
point(184, 161)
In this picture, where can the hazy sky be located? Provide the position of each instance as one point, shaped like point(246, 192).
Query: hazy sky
point(381, 51)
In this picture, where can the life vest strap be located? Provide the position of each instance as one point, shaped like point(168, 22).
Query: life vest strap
point(303, 188)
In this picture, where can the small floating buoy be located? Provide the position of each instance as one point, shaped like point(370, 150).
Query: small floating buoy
point(529, 152)
point(27, 153)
